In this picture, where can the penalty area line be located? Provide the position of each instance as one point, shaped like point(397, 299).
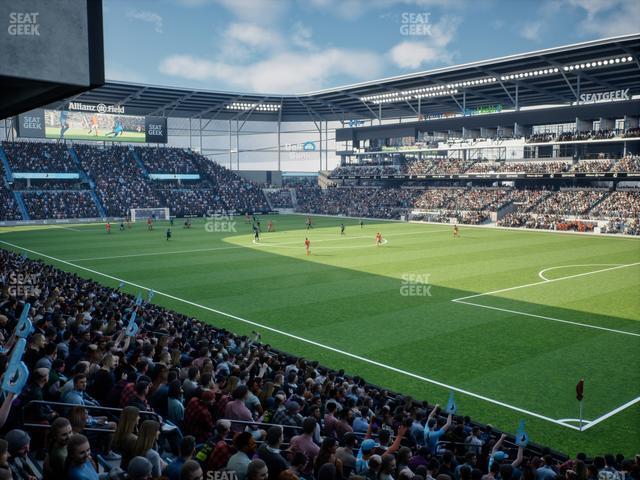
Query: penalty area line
point(305, 340)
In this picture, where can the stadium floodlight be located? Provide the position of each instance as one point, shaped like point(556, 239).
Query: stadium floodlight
point(598, 63)
point(422, 92)
point(262, 107)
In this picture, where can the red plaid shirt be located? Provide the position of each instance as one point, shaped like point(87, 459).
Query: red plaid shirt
point(220, 455)
point(127, 394)
point(198, 420)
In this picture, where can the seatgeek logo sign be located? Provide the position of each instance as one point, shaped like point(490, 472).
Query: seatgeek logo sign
point(24, 24)
point(601, 97)
point(99, 108)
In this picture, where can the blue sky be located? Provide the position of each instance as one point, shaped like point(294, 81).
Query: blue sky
point(291, 46)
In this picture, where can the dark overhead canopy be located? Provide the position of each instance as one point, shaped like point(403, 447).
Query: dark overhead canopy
point(344, 103)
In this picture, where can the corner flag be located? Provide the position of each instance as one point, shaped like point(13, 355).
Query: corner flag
point(580, 390)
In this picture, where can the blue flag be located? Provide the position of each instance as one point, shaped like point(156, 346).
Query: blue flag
point(451, 405)
point(139, 299)
point(522, 438)
point(24, 326)
point(150, 295)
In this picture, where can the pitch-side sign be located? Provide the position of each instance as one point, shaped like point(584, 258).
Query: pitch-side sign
point(610, 96)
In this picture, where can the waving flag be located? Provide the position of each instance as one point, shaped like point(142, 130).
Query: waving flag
point(451, 405)
point(522, 439)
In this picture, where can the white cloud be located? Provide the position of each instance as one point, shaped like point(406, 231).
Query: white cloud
point(146, 16)
point(430, 49)
point(253, 35)
point(531, 31)
point(301, 36)
point(282, 73)
point(353, 9)
point(607, 18)
point(413, 54)
point(260, 11)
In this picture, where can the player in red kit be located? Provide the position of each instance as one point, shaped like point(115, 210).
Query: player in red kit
point(307, 245)
point(378, 239)
point(108, 227)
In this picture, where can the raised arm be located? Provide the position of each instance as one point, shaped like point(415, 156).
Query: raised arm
point(519, 458)
point(396, 443)
point(498, 444)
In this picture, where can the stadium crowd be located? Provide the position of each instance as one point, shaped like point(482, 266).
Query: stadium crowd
point(39, 157)
point(8, 205)
point(167, 160)
point(280, 198)
point(188, 398)
point(56, 204)
point(119, 182)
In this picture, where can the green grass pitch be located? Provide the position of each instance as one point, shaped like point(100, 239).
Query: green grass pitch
point(410, 315)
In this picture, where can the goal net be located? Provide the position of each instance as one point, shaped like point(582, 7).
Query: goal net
point(142, 214)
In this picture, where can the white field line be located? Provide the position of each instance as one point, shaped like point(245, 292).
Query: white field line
point(305, 340)
point(611, 413)
point(544, 270)
point(546, 281)
point(517, 312)
point(149, 254)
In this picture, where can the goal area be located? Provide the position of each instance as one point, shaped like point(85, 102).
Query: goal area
point(142, 214)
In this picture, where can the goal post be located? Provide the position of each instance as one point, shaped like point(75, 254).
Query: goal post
point(142, 214)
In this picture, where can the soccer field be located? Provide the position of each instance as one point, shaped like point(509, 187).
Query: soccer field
point(508, 320)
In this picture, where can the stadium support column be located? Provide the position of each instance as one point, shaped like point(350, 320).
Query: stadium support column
point(380, 114)
point(230, 157)
point(279, 145)
point(237, 145)
point(320, 130)
point(517, 96)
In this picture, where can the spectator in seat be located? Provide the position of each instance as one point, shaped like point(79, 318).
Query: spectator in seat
point(198, 420)
point(237, 410)
point(19, 444)
point(124, 439)
point(79, 464)
point(145, 446)
point(187, 447)
point(5, 469)
point(327, 455)
point(257, 470)
point(270, 452)
point(56, 458)
point(345, 453)
point(304, 443)
point(222, 451)
point(432, 434)
point(191, 470)
point(245, 448)
point(139, 469)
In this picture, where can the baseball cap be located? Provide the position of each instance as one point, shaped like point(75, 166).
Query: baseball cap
point(500, 456)
point(369, 445)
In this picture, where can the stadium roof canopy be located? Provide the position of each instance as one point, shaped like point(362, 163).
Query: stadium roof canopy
point(546, 77)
